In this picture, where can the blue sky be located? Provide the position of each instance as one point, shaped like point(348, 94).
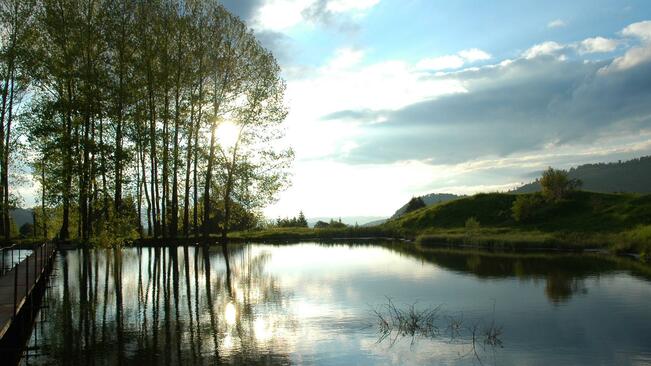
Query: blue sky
point(390, 99)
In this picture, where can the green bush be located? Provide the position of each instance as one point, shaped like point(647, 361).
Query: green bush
point(115, 231)
point(527, 207)
point(556, 184)
point(472, 225)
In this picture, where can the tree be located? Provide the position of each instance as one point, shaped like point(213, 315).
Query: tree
point(253, 168)
point(26, 230)
point(16, 22)
point(126, 96)
point(556, 184)
point(302, 222)
point(414, 204)
point(321, 225)
point(527, 207)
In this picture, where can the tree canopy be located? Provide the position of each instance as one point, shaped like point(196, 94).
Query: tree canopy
point(127, 103)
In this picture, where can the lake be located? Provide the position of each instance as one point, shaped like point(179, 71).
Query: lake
point(342, 304)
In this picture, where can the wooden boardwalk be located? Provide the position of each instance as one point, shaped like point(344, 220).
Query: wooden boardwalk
point(18, 285)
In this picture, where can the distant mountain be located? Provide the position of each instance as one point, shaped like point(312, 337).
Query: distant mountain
point(375, 223)
point(429, 199)
point(348, 220)
point(21, 216)
point(633, 176)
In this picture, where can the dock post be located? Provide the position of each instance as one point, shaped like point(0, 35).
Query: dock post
point(26, 276)
point(15, 289)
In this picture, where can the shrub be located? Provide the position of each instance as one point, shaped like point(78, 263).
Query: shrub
point(472, 225)
point(527, 207)
point(321, 224)
point(414, 204)
point(556, 184)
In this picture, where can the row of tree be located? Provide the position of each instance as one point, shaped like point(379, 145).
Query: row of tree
point(121, 105)
point(298, 221)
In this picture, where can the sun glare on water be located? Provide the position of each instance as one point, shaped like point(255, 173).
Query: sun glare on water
point(230, 314)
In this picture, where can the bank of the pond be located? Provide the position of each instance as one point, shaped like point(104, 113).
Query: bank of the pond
point(583, 221)
point(488, 238)
point(619, 223)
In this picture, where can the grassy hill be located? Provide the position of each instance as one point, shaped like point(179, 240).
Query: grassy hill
point(582, 220)
point(429, 200)
point(618, 221)
point(632, 176)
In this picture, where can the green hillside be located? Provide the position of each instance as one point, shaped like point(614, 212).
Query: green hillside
point(582, 219)
point(429, 200)
point(632, 176)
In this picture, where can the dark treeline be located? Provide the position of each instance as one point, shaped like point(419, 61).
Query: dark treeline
point(156, 118)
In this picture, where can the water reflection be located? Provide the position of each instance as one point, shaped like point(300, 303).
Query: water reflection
point(162, 306)
point(564, 274)
point(312, 304)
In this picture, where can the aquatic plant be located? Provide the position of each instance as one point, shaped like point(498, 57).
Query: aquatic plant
point(394, 323)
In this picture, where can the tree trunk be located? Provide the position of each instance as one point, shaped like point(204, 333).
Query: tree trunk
point(188, 166)
point(5, 162)
point(206, 188)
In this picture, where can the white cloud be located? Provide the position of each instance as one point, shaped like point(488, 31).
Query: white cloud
point(474, 54)
point(279, 15)
point(632, 58)
point(348, 82)
point(451, 62)
point(441, 63)
point(597, 45)
point(543, 49)
point(557, 23)
point(341, 6)
point(641, 30)
point(345, 83)
point(358, 184)
point(345, 58)
point(636, 55)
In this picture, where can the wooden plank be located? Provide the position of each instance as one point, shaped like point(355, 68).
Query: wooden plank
point(30, 269)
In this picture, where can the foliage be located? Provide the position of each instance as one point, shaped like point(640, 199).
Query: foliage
point(528, 207)
point(492, 209)
point(633, 176)
point(26, 230)
point(321, 224)
point(556, 184)
point(332, 224)
point(241, 218)
point(284, 234)
point(472, 225)
point(298, 221)
point(124, 102)
point(414, 204)
point(118, 228)
point(582, 219)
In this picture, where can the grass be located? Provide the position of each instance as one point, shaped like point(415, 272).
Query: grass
point(394, 323)
point(584, 220)
point(297, 233)
point(617, 222)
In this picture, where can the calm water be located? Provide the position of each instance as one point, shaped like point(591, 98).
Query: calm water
point(313, 304)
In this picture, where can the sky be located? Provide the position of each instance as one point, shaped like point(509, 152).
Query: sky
point(390, 99)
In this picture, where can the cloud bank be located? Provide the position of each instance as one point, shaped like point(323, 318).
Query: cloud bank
point(548, 97)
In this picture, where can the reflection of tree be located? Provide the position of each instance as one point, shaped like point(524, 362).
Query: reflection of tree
point(560, 287)
point(564, 274)
point(164, 306)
